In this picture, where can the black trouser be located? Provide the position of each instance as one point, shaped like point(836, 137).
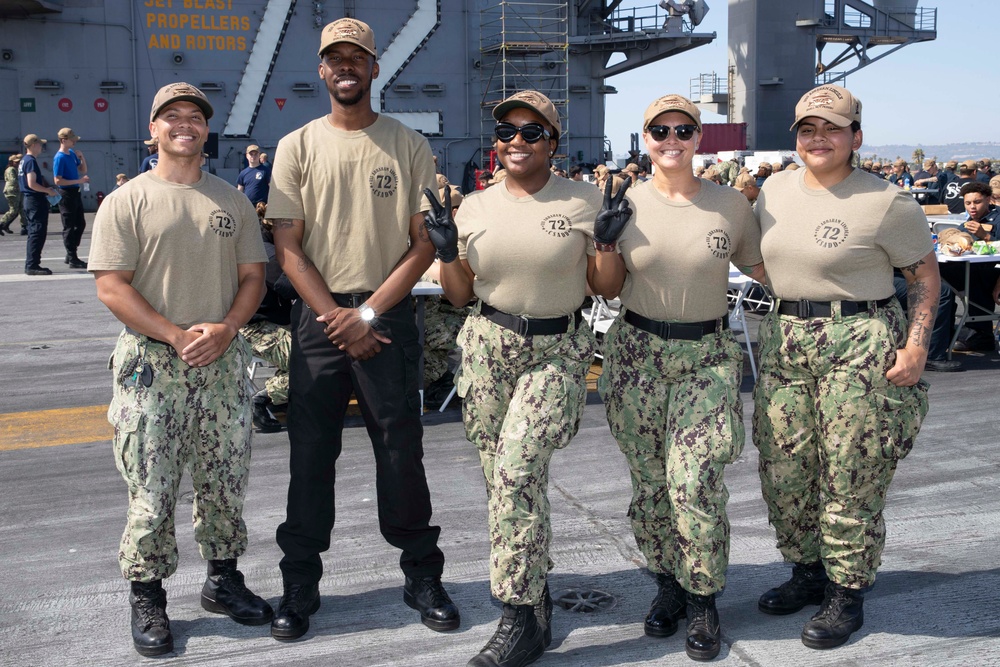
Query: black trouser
point(36, 212)
point(982, 279)
point(321, 379)
point(71, 209)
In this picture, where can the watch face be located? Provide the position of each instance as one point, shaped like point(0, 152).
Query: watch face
point(367, 313)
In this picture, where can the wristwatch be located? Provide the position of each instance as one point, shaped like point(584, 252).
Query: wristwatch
point(368, 313)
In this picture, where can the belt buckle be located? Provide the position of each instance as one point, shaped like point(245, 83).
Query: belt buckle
point(805, 308)
point(522, 325)
point(356, 300)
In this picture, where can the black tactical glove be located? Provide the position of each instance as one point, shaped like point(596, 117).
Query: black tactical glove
point(440, 226)
point(615, 213)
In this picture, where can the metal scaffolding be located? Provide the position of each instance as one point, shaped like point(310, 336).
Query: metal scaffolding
point(523, 46)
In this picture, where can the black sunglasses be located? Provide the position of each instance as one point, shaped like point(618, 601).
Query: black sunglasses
point(682, 132)
point(531, 132)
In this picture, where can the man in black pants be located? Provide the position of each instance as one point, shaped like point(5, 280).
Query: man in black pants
point(69, 170)
point(346, 205)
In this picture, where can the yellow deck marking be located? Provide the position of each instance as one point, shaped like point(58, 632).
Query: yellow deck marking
point(49, 428)
point(70, 426)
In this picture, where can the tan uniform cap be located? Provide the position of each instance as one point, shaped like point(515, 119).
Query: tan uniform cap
point(671, 103)
point(351, 31)
point(831, 103)
point(534, 100)
point(179, 92)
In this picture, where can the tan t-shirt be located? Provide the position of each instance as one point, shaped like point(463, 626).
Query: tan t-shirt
point(356, 192)
point(184, 243)
point(678, 252)
point(830, 245)
point(529, 254)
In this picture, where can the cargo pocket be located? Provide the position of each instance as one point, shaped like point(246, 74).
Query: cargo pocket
point(897, 416)
point(129, 449)
point(732, 432)
point(561, 419)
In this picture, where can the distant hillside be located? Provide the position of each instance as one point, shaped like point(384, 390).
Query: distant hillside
point(970, 151)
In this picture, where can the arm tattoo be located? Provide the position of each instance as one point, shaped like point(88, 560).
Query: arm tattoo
point(282, 223)
point(912, 268)
point(923, 309)
point(304, 264)
point(422, 233)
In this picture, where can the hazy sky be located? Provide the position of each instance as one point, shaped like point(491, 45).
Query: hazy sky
point(938, 92)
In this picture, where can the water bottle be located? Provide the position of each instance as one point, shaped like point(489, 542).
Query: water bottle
point(935, 241)
point(86, 187)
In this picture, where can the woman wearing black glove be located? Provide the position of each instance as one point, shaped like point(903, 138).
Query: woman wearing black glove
point(672, 371)
point(525, 247)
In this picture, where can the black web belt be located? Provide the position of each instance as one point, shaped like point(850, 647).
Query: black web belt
point(530, 326)
point(804, 308)
point(677, 330)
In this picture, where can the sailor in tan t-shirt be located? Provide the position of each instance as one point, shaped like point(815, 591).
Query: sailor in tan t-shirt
point(524, 248)
point(345, 201)
point(672, 371)
point(838, 402)
point(178, 258)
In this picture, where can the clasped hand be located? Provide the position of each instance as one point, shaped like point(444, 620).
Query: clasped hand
point(202, 344)
point(614, 215)
point(346, 330)
point(441, 227)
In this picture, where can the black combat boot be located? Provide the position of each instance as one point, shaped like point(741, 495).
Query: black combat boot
point(704, 634)
point(841, 614)
point(225, 593)
point(74, 261)
point(428, 596)
point(298, 602)
point(262, 417)
point(518, 641)
point(806, 586)
point(150, 625)
point(669, 606)
point(543, 615)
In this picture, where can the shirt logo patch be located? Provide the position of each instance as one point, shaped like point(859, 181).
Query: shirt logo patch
point(383, 182)
point(831, 233)
point(719, 243)
point(557, 225)
point(222, 223)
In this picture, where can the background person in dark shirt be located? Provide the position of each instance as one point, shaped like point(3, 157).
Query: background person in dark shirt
point(35, 191)
point(984, 218)
point(255, 180)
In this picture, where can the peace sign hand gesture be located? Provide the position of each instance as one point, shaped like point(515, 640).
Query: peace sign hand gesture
point(440, 226)
point(615, 213)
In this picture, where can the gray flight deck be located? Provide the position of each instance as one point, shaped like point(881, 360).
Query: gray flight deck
point(62, 509)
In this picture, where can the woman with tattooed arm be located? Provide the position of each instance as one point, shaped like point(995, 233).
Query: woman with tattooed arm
point(839, 399)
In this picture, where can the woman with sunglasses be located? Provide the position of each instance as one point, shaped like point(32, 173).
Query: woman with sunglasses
point(525, 247)
point(672, 371)
point(838, 402)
